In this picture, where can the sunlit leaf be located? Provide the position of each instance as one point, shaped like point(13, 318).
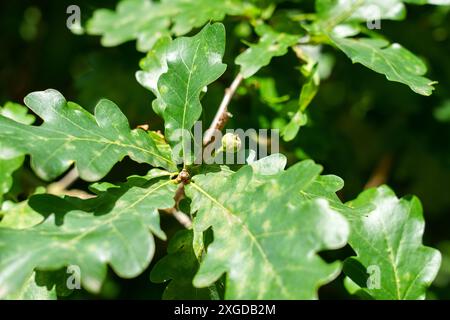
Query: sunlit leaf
point(113, 229)
point(266, 235)
point(71, 134)
point(395, 62)
point(391, 261)
point(17, 113)
point(271, 44)
point(147, 21)
point(192, 64)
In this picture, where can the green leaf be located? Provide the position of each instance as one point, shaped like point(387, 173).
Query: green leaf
point(268, 91)
point(19, 114)
point(143, 20)
point(32, 291)
point(395, 62)
point(310, 87)
point(268, 166)
point(71, 134)
point(148, 21)
point(153, 66)
point(299, 119)
point(113, 229)
point(266, 235)
point(335, 12)
point(7, 167)
point(163, 148)
point(334, 15)
point(179, 266)
point(192, 64)
point(193, 14)
point(271, 44)
point(435, 2)
point(18, 215)
point(388, 244)
point(21, 216)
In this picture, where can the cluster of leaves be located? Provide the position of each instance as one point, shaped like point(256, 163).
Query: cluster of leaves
point(257, 230)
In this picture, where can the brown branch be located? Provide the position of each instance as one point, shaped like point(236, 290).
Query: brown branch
point(59, 187)
point(181, 217)
point(76, 193)
point(222, 114)
point(183, 179)
point(381, 173)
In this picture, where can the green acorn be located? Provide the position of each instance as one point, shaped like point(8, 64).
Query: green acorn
point(231, 143)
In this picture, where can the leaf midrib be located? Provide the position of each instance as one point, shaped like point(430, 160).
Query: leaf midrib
point(72, 242)
point(186, 100)
point(253, 238)
point(75, 138)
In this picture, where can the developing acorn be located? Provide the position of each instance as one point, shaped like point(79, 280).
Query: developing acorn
point(231, 143)
point(183, 176)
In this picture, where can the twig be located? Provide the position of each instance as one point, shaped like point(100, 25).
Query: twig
point(179, 194)
point(222, 114)
point(76, 193)
point(381, 172)
point(59, 187)
point(181, 217)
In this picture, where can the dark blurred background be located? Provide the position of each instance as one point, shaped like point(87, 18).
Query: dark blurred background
point(361, 125)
